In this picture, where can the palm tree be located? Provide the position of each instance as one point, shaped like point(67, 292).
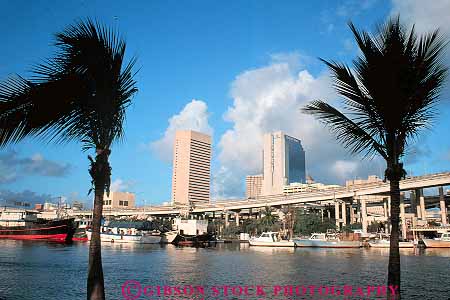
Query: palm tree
point(268, 221)
point(389, 96)
point(79, 95)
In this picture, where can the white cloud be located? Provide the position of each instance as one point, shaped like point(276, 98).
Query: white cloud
point(120, 185)
point(426, 15)
point(194, 116)
point(344, 169)
point(269, 99)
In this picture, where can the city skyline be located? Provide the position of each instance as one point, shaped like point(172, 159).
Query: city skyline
point(234, 80)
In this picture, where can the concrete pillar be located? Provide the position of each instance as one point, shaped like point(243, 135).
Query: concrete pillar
point(226, 219)
point(336, 213)
point(344, 214)
point(385, 209)
point(418, 208)
point(363, 215)
point(423, 212)
point(402, 215)
point(237, 219)
point(328, 214)
point(412, 197)
point(442, 206)
point(352, 215)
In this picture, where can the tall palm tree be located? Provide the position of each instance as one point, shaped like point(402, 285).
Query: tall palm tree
point(389, 96)
point(79, 95)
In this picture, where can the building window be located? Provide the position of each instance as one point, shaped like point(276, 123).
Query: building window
point(120, 203)
point(125, 203)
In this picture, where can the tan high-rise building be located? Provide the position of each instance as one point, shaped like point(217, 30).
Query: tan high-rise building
point(253, 185)
point(191, 168)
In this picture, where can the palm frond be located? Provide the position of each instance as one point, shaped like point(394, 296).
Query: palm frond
point(80, 94)
point(347, 132)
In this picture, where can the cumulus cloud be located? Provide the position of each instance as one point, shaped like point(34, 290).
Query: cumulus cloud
point(120, 185)
point(194, 116)
point(13, 167)
point(426, 15)
point(268, 99)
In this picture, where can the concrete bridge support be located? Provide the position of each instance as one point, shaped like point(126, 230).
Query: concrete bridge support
point(442, 206)
point(402, 215)
point(423, 212)
point(417, 193)
point(363, 215)
point(344, 214)
point(336, 214)
point(352, 214)
point(227, 223)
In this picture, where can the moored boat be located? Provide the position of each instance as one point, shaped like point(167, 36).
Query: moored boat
point(382, 241)
point(324, 240)
point(137, 232)
point(22, 224)
point(441, 242)
point(270, 239)
point(169, 237)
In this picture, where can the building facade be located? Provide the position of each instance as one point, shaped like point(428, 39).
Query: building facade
point(191, 168)
point(253, 186)
point(283, 162)
point(119, 200)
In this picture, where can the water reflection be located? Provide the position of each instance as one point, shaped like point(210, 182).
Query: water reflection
point(271, 250)
point(59, 271)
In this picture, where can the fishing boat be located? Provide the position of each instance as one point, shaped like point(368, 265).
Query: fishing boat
point(270, 239)
point(137, 232)
point(21, 224)
point(326, 240)
point(199, 240)
point(169, 237)
point(192, 232)
point(383, 241)
point(440, 242)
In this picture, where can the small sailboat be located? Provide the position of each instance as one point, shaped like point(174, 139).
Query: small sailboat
point(270, 239)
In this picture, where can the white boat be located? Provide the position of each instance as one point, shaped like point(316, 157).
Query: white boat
point(441, 242)
point(138, 238)
point(137, 232)
point(325, 240)
point(382, 241)
point(169, 237)
point(270, 239)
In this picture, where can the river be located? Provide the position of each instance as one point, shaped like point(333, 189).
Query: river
point(40, 270)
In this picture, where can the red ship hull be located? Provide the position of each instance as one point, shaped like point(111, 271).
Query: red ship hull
point(55, 231)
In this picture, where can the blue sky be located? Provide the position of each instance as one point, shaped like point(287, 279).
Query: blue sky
point(234, 69)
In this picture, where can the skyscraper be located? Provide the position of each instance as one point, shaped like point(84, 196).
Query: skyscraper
point(253, 186)
point(283, 162)
point(191, 168)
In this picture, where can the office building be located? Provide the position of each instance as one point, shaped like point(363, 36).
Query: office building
point(283, 162)
point(191, 168)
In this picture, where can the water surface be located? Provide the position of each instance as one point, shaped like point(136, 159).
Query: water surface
point(40, 270)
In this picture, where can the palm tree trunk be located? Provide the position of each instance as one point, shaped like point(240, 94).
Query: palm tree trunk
point(100, 173)
point(394, 254)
